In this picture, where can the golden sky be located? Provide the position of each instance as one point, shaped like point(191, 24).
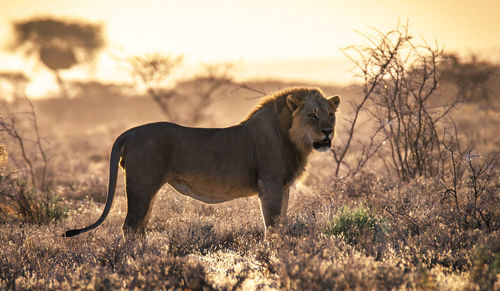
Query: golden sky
point(290, 39)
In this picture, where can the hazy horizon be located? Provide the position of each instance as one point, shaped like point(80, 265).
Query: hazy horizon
point(291, 40)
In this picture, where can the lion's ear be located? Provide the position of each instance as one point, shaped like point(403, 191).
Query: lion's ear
point(293, 103)
point(334, 102)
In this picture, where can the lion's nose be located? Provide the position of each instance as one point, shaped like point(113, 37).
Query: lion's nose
point(326, 131)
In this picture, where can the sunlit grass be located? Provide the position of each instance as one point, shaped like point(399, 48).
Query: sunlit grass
point(365, 232)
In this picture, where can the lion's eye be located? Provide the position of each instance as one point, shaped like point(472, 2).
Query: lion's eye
point(312, 116)
point(331, 115)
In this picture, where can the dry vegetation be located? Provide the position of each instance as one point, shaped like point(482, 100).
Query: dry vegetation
point(431, 222)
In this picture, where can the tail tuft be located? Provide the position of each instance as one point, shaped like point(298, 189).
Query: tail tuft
point(71, 232)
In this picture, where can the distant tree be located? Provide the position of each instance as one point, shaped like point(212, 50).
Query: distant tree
point(16, 80)
point(471, 76)
point(59, 44)
point(190, 98)
point(153, 71)
point(211, 85)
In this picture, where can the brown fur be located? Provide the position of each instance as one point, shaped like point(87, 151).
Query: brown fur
point(262, 155)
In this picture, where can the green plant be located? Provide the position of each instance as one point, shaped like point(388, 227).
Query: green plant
point(19, 201)
point(353, 224)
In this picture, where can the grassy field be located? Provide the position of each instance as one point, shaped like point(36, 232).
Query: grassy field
point(369, 231)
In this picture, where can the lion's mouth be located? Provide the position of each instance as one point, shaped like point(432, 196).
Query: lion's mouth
point(322, 145)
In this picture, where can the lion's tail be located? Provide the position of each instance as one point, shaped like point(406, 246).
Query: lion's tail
point(116, 153)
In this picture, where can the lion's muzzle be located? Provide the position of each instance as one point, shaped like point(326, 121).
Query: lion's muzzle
point(322, 145)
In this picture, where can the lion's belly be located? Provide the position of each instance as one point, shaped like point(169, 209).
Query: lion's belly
point(210, 192)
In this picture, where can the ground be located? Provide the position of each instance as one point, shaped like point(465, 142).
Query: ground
point(364, 232)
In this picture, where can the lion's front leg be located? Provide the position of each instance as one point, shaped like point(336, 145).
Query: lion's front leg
point(271, 198)
point(284, 203)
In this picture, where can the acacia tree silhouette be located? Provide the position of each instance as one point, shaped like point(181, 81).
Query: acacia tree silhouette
point(152, 70)
point(59, 44)
point(198, 93)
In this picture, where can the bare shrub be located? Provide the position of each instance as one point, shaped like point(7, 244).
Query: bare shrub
point(10, 128)
point(194, 96)
point(205, 89)
point(19, 201)
point(423, 226)
point(373, 63)
point(471, 184)
point(407, 118)
point(412, 123)
point(153, 70)
point(34, 203)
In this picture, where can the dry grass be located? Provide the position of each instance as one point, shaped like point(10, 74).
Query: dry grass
point(195, 246)
point(350, 233)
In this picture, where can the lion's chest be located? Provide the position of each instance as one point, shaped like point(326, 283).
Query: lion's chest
point(210, 191)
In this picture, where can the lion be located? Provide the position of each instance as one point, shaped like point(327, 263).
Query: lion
point(263, 155)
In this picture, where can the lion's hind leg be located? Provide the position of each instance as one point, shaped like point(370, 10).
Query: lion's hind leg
point(141, 193)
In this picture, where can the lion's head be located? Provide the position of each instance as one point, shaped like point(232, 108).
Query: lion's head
point(313, 119)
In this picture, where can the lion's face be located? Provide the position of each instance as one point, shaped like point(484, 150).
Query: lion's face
point(313, 123)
